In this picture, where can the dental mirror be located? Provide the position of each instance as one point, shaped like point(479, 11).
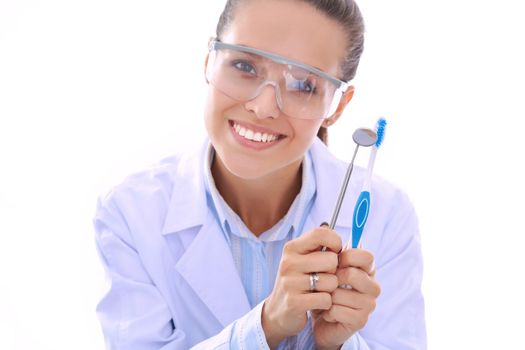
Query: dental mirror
point(364, 137)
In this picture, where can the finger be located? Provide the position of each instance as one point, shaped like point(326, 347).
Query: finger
point(355, 319)
point(360, 258)
point(359, 280)
point(301, 282)
point(317, 262)
point(313, 262)
point(353, 299)
point(328, 317)
point(315, 301)
point(326, 283)
point(314, 240)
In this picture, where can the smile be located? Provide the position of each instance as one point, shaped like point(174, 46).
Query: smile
point(253, 135)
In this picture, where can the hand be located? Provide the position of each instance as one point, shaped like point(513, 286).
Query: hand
point(285, 310)
point(350, 307)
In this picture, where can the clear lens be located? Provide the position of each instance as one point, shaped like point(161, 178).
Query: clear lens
point(301, 93)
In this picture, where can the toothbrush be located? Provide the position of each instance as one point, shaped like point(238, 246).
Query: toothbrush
point(362, 207)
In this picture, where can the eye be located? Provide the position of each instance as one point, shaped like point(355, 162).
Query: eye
point(244, 67)
point(303, 86)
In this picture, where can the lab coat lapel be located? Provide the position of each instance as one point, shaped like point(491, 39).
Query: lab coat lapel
point(207, 264)
point(208, 267)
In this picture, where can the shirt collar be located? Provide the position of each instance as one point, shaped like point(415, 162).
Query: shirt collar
point(215, 199)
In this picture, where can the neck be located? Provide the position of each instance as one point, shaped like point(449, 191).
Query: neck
point(261, 202)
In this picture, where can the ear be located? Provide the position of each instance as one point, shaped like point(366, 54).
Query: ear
point(345, 99)
point(206, 66)
point(206, 60)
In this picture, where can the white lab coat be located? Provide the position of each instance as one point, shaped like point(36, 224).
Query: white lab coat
point(173, 282)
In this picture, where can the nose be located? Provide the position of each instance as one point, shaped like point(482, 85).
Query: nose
point(267, 102)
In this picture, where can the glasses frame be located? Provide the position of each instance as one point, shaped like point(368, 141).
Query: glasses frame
point(340, 85)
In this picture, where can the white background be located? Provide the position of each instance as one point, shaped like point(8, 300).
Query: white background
point(91, 91)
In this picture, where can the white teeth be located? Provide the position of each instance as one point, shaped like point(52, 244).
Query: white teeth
point(254, 135)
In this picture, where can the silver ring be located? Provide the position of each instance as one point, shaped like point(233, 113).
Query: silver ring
point(314, 278)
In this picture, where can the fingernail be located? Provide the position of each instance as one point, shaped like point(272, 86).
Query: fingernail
point(325, 224)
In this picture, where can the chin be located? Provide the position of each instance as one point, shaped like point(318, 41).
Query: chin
point(245, 168)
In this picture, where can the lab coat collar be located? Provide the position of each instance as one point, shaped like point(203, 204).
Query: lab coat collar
point(188, 207)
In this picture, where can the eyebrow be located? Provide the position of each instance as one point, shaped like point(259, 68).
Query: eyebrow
point(252, 55)
point(296, 63)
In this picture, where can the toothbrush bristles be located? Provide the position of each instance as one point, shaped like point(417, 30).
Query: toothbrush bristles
point(380, 126)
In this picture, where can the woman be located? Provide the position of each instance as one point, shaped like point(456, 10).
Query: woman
point(222, 248)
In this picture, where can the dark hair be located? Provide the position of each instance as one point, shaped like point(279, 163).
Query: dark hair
point(346, 12)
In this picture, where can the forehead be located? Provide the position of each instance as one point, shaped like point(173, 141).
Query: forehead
point(290, 28)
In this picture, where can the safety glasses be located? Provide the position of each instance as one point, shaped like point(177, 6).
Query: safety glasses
point(301, 91)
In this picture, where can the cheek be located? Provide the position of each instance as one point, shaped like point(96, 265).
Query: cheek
point(211, 105)
point(306, 130)
point(216, 104)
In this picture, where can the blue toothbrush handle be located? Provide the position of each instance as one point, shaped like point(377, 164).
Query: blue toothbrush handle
point(362, 207)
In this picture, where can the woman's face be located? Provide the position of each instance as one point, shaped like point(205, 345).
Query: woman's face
point(292, 29)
